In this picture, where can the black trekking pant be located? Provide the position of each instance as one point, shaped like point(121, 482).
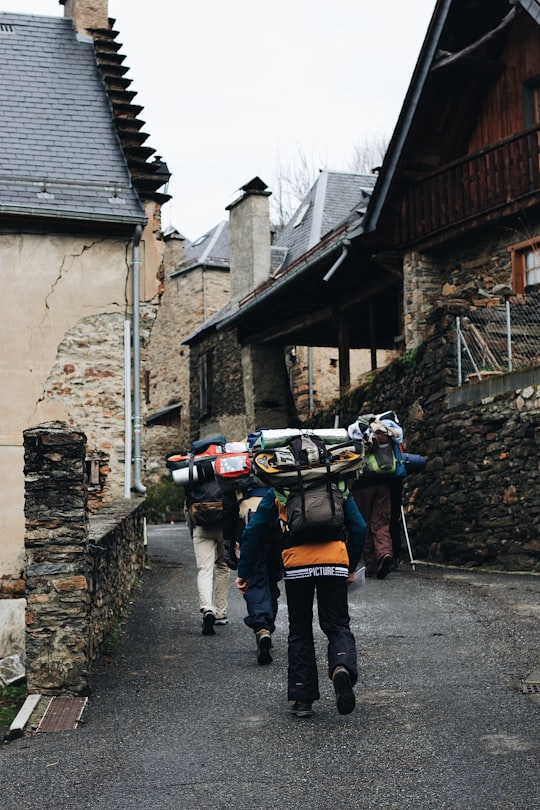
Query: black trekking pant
point(334, 621)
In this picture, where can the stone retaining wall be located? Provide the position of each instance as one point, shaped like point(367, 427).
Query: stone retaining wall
point(80, 569)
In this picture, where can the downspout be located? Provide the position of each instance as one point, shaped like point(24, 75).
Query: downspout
point(127, 411)
point(310, 381)
point(137, 419)
point(339, 260)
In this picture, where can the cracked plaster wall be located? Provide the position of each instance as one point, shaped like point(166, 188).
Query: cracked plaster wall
point(63, 307)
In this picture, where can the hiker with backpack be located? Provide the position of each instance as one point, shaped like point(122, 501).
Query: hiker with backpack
point(262, 594)
point(377, 490)
point(322, 534)
point(206, 514)
point(203, 509)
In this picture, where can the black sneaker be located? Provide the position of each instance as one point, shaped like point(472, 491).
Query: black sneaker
point(301, 709)
point(208, 623)
point(345, 700)
point(264, 642)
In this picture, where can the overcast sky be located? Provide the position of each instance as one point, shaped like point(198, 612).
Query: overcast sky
point(241, 88)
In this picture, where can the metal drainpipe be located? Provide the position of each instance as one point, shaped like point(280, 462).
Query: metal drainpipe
point(310, 380)
point(340, 260)
point(137, 419)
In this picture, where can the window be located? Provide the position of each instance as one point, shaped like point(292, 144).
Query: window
point(532, 267)
point(205, 384)
point(535, 92)
point(525, 265)
point(532, 103)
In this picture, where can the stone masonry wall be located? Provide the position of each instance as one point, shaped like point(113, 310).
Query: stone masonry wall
point(479, 261)
point(228, 412)
point(78, 573)
point(189, 297)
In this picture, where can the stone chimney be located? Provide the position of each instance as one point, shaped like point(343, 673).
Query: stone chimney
point(87, 14)
point(249, 239)
point(267, 396)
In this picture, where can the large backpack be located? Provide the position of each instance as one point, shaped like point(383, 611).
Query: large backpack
point(383, 452)
point(314, 509)
point(205, 504)
point(314, 513)
point(380, 459)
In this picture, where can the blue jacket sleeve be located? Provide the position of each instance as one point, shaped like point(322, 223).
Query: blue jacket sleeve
point(357, 529)
point(255, 533)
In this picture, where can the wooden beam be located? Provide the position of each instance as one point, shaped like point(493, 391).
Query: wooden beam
point(342, 328)
point(372, 339)
point(448, 58)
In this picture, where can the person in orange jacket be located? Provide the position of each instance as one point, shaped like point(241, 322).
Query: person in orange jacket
point(324, 568)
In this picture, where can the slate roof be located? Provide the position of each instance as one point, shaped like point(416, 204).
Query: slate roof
point(333, 196)
point(60, 155)
point(209, 250)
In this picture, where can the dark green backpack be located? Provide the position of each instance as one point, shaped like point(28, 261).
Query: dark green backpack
point(315, 514)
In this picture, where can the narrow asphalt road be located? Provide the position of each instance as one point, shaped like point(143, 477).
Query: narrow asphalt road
point(176, 720)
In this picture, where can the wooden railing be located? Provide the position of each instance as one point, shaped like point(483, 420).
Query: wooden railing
point(472, 187)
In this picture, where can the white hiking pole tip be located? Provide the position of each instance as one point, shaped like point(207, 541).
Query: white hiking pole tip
point(407, 538)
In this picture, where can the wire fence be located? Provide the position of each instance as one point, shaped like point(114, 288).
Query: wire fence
point(492, 340)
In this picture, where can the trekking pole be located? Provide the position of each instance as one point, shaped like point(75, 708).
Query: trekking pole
point(407, 538)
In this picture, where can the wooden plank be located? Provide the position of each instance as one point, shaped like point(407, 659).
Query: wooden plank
point(17, 727)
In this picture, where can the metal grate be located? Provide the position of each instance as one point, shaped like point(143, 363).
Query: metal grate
point(530, 688)
point(62, 714)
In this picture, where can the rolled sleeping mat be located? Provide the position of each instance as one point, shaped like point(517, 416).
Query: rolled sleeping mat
point(413, 462)
point(268, 439)
point(201, 471)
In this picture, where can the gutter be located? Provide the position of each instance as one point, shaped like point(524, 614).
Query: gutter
point(65, 213)
point(137, 420)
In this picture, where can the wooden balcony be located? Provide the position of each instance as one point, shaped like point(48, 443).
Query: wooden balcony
point(488, 184)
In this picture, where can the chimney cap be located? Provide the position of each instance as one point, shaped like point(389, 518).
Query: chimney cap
point(254, 185)
point(253, 188)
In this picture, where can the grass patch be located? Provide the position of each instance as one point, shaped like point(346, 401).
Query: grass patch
point(11, 700)
point(164, 501)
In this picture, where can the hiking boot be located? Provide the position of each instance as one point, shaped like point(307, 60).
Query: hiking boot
point(208, 622)
point(301, 709)
point(384, 568)
point(264, 642)
point(345, 700)
point(221, 620)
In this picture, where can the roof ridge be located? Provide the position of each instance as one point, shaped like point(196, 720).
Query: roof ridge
point(213, 239)
point(318, 208)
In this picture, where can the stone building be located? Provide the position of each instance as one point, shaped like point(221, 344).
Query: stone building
point(81, 249)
